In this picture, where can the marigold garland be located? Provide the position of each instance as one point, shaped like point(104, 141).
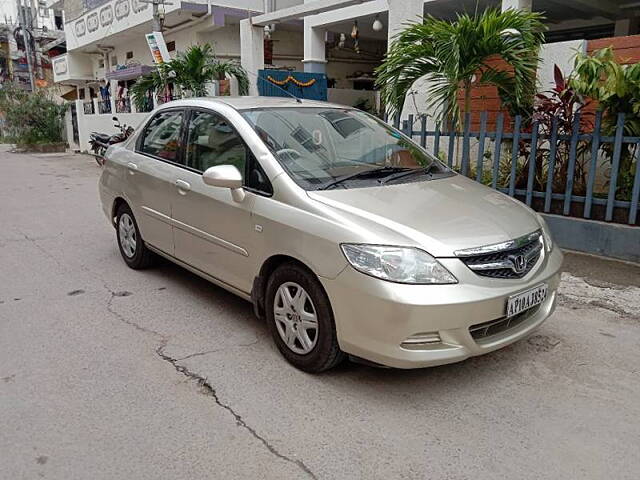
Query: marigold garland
point(291, 79)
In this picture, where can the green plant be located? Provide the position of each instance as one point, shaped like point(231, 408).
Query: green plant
point(451, 55)
point(191, 71)
point(560, 105)
point(156, 81)
point(616, 88)
point(31, 117)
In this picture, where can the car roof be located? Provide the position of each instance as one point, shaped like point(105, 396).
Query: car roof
point(252, 102)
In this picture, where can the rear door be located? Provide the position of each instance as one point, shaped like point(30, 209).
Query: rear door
point(152, 175)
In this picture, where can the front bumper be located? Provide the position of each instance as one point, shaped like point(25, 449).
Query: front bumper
point(374, 317)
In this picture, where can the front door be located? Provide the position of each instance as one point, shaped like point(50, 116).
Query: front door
point(151, 177)
point(212, 231)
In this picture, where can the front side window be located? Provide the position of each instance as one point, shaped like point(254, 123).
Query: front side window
point(213, 141)
point(162, 136)
point(334, 147)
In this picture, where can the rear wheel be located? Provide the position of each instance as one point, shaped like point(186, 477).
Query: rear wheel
point(301, 319)
point(133, 250)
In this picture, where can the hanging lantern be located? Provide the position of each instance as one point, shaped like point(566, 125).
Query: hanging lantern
point(343, 39)
point(377, 24)
point(354, 30)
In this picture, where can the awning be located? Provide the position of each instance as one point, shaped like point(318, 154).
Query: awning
point(130, 73)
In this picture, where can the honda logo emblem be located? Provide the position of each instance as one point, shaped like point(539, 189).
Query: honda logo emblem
point(519, 263)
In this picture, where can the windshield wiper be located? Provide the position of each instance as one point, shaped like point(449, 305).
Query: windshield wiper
point(373, 172)
point(414, 171)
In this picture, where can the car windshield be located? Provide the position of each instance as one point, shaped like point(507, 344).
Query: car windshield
point(329, 147)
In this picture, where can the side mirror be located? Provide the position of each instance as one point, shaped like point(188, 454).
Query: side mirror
point(226, 176)
point(115, 119)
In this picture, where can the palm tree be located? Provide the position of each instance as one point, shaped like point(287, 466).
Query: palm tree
point(452, 56)
point(199, 65)
point(191, 71)
point(143, 89)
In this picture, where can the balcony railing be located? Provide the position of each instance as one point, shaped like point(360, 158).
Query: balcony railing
point(168, 98)
point(123, 105)
point(104, 107)
point(88, 108)
point(147, 105)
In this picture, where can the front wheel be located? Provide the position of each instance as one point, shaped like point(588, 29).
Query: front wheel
point(301, 319)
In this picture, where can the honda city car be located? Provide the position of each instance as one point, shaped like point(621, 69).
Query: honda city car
point(348, 238)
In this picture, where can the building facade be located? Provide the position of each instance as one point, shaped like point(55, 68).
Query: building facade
point(29, 66)
point(345, 39)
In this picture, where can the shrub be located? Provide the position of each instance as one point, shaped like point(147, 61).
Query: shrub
point(616, 88)
point(31, 117)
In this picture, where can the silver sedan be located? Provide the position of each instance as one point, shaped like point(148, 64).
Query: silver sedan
point(348, 238)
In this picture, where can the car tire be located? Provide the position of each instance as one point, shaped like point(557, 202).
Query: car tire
point(292, 325)
point(132, 248)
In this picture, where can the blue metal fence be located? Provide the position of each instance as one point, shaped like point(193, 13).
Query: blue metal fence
point(580, 173)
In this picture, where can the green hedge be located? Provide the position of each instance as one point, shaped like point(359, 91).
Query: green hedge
point(31, 118)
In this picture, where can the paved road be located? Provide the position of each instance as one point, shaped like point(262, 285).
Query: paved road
point(107, 373)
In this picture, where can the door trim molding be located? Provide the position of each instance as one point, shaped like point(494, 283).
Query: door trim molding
point(210, 238)
point(157, 215)
point(195, 231)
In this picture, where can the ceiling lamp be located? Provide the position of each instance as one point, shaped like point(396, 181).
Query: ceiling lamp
point(377, 24)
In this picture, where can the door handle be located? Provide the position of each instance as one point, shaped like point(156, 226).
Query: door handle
point(183, 187)
point(133, 168)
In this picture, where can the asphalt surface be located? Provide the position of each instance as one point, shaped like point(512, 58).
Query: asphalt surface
point(109, 373)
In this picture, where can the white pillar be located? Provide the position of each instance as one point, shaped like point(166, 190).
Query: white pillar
point(251, 52)
point(402, 12)
point(114, 94)
point(516, 4)
point(315, 59)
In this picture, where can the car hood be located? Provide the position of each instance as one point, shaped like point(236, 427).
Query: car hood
point(440, 215)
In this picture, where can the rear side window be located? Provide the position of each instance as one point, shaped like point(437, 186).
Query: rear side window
point(162, 136)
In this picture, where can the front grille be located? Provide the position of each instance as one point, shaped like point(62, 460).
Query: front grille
point(512, 259)
point(494, 327)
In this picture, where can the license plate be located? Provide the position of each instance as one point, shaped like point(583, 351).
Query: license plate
point(523, 301)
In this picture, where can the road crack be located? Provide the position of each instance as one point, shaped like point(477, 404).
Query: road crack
point(112, 311)
point(207, 388)
point(210, 390)
point(43, 250)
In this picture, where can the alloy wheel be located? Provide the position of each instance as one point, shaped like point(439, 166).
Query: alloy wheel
point(127, 235)
point(295, 318)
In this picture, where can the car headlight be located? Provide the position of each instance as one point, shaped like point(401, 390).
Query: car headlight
point(546, 234)
point(397, 264)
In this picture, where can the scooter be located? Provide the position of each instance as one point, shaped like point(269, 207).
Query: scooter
point(99, 142)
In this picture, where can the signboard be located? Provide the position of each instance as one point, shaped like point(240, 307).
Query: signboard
point(158, 47)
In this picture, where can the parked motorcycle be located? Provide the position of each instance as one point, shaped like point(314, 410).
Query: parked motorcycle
point(99, 142)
